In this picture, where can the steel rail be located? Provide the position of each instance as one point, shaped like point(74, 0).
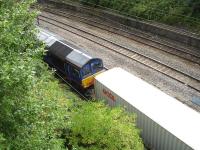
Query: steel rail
point(71, 86)
point(183, 52)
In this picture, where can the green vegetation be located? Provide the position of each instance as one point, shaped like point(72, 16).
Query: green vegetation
point(30, 99)
point(36, 112)
point(182, 13)
point(93, 126)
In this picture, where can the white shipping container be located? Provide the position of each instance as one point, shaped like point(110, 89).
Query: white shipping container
point(166, 123)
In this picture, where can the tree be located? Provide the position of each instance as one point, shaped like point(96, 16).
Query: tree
point(31, 102)
point(195, 4)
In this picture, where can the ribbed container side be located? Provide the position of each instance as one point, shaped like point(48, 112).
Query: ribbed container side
point(154, 136)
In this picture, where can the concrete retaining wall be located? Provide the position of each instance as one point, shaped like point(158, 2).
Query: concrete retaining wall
point(170, 33)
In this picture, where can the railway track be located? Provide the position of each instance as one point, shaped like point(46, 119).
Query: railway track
point(146, 39)
point(184, 78)
point(85, 96)
point(77, 91)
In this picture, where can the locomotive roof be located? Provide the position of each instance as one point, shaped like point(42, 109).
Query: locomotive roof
point(47, 37)
point(68, 53)
point(64, 50)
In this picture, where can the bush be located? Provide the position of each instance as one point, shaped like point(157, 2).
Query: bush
point(94, 126)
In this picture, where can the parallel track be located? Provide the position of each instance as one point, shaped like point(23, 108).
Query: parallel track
point(143, 39)
point(72, 87)
point(158, 66)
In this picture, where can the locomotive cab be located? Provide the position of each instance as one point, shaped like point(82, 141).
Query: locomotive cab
point(83, 76)
point(90, 70)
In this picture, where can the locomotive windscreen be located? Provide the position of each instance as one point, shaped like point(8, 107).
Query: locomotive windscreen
point(97, 65)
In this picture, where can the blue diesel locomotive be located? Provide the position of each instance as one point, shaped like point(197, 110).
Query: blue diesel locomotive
point(78, 66)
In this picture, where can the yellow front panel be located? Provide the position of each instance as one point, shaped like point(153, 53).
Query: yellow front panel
point(89, 81)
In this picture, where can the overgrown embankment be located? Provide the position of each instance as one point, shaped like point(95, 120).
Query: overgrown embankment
point(35, 112)
point(181, 13)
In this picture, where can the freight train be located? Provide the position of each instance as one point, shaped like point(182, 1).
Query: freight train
point(165, 123)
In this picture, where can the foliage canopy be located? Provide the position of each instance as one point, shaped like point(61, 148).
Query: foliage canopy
point(183, 13)
point(30, 109)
